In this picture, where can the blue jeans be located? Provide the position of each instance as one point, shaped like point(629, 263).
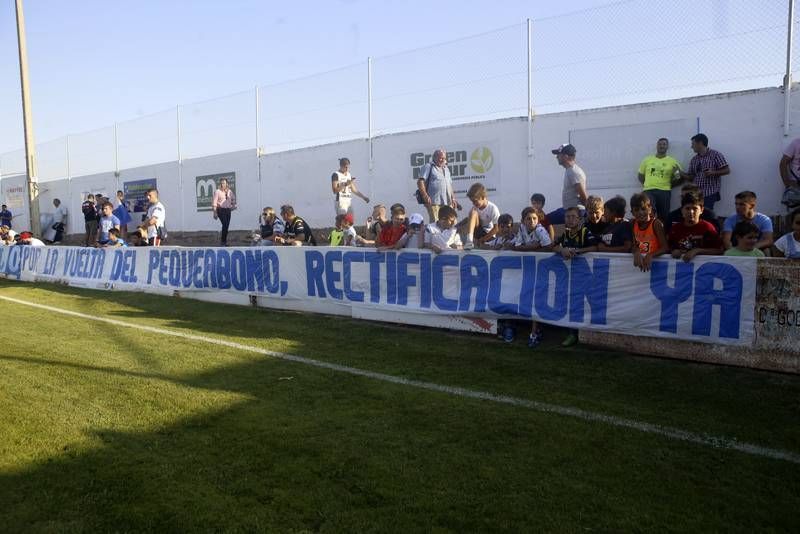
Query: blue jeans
point(557, 216)
point(709, 201)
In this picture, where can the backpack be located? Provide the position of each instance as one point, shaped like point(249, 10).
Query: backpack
point(427, 179)
point(791, 197)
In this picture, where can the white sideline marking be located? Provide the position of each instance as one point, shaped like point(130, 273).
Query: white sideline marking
point(718, 442)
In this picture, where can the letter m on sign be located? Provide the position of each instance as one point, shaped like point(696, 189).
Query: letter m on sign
point(205, 192)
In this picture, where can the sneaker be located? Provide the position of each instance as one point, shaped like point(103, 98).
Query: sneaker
point(570, 340)
point(534, 338)
point(469, 245)
point(508, 334)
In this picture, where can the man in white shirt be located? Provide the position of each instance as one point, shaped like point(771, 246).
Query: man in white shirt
point(59, 220)
point(155, 219)
point(343, 185)
point(573, 193)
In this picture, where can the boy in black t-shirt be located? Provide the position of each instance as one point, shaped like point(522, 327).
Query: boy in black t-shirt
point(594, 216)
point(618, 236)
point(576, 238)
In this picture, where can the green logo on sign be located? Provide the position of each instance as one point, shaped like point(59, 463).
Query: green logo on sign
point(481, 160)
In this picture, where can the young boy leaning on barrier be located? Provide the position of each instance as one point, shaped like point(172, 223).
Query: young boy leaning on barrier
point(618, 236)
point(351, 237)
point(413, 238)
point(595, 216)
point(746, 234)
point(532, 236)
point(693, 236)
point(443, 235)
point(114, 240)
point(337, 234)
point(576, 238)
point(788, 246)
point(391, 233)
point(504, 238)
point(649, 238)
point(482, 221)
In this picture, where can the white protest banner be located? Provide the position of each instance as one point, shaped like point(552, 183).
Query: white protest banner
point(710, 300)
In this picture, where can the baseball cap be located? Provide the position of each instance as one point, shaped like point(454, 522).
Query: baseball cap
point(566, 149)
point(25, 235)
point(349, 218)
point(415, 218)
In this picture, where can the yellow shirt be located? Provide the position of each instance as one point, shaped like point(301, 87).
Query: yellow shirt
point(658, 172)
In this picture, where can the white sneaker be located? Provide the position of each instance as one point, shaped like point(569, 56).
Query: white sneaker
point(469, 245)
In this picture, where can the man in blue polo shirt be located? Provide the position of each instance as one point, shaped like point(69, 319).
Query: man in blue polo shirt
point(746, 211)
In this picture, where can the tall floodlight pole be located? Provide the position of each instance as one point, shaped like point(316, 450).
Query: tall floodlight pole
point(30, 147)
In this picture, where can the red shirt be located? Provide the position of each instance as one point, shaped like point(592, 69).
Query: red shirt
point(701, 235)
point(390, 234)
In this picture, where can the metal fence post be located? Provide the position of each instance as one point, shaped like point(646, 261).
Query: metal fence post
point(369, 111)
point(529, 159)
point(180, 165)
point(258, 143)
point(787, 80)
point(530, 89)
point(69, 183)
point(116, 150)
point(66, 146)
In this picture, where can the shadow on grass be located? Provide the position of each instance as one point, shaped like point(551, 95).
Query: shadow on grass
point(341, 453)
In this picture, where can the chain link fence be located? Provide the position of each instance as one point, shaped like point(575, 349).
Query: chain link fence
point(314, 110)
point(148, 140)
point(628, 52)
point(635, 51)
point(477, 78)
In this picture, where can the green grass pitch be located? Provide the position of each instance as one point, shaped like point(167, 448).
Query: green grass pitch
point(106, 428)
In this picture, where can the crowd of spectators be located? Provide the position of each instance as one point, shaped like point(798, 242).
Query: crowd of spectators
point(586, 222)
point(583, 223)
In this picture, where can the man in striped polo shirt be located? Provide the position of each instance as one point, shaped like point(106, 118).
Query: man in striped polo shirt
point(705, 170)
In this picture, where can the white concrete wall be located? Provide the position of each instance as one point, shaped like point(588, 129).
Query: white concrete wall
point(746, 127)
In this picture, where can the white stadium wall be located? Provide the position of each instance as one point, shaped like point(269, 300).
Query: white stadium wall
point(746, 127)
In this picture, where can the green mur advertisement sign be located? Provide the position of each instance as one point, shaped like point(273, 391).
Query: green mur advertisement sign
point(468, 163)
point(206, 185)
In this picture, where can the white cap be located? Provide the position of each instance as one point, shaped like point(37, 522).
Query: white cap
point(415, 218)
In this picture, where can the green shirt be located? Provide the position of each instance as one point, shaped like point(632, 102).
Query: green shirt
point(336, 237)
point(755, 253)
point(658, 172)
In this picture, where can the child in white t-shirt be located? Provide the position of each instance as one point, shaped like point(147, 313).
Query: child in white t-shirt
point(482, 220)
point(532, 235)
point(350, 238)
point(504, 239)
point(788, 246)
point(442, 235)
point(413, 238)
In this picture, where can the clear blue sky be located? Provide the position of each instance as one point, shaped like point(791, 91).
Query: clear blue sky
point(96, 62)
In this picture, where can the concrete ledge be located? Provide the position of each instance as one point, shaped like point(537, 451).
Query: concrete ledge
point(777, 328)
point(783, 361)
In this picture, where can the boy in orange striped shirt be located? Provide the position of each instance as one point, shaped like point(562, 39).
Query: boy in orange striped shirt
point(649, 238)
